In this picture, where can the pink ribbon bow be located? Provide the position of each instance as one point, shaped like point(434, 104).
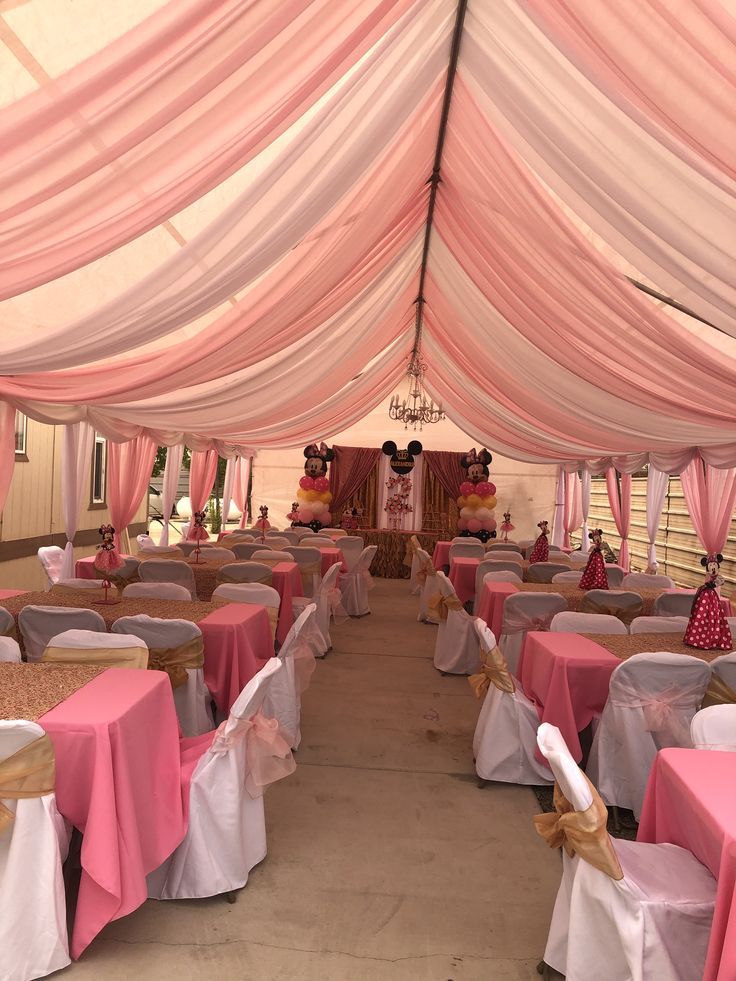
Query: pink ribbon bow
point(267, 752)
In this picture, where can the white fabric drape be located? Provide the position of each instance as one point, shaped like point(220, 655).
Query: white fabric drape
point(657, 485)
point(558, 519)
point(414, 520)
point(585, 501)
point(407, 521)
point(172, 469)
point(76, 460)
point(227, 487)
point(235, 488)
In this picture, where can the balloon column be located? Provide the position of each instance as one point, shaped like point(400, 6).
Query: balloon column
point(477, 497)
point(313, 495)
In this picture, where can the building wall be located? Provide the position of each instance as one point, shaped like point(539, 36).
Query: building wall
point(33, 517)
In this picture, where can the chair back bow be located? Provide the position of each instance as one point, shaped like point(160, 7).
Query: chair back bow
point(427, 569)
point(338, 611)
point(494, 671)
point(30, 772)
point(517, 622)
point(176, 660)
point(442, 605)
point(660, 709)
point(224, 577)
point(267, 752)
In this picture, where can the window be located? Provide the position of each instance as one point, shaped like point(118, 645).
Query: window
point(99, 466)
point(21, 426)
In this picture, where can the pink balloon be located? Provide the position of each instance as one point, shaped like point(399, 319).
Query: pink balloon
point(466, 488)
point(483, 488)
point(462, 524)
point(489, 524)
point(473, 524)
point(321, 484)
point(307, 483)
point(305, 515)
point(325, 518)
point(491, 488)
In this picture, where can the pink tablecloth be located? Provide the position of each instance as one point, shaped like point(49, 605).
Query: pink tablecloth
point(85, 568)
point(566, 676)
point(330, 557)
point(117, 780)
point(287, 581)
point(462, 576)
point(490, 605)
point(237, 643)
point(441, 555)
point(691, 802)
point(7, 593)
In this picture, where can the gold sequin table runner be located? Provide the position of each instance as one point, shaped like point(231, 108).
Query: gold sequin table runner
point(28, 691)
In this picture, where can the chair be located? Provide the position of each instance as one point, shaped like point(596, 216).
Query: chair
point(169, 570)
point(658, 625)
point(278, 542)
point(545, 571)
point(522, 612)
point(504, 547)
point(624, 605)
point(578, 558)
point(91, 647)
point(640, 580)
point(497, 565)
point(38, 624)
point(321, 541)
point(7, 623)
point(309, 560)
point(568, 577)
point(156, 590)
point(269, 555)
point(615, 576)
point(290, 536)
point(334, 533)
point(351, 547)
point(500, 576)
point(488, 567)
point(64, 584)
point(467, 550)
point(51, 558)
point(303, 532)
point(624, 909)
point(216, 554)
point(674, 604)
point(651, 701)
point(456, 648)
point(722, 685)
point(226, 831)
point(283, 701)
point(9, 651)
point(145, 541)
point(327, 601)
point(176, 647)
point(356, 584)
point(33, 846)
point(714, 727)
point(255, 594)
point(505, 556)
point(570, 622)
point(239, 572)
point(245, 550)
point(161, 552)
point(504, 740)
point(426, 575)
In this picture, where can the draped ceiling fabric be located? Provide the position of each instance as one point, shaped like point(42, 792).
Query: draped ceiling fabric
point(213, 216)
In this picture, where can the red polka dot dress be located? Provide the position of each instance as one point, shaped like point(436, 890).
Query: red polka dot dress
point(594, 573)
point(540, 552)
point(707, 628)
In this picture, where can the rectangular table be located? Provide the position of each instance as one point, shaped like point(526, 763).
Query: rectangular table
point(691, 802)
point(85, 568)
point(330, 557)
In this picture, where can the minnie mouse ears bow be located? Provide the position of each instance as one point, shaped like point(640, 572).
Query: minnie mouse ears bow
point(322, 450)
point(713, 557)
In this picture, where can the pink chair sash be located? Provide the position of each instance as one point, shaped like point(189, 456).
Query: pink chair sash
point(267, 751)
point(517, 623)
point(659, 708)
point(339, 613)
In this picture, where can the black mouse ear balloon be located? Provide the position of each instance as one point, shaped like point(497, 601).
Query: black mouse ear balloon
point(389, 447)
point(704, 561)
point(415, 447)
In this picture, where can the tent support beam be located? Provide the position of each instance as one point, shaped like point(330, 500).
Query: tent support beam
point(673, 303)
point(436, 178)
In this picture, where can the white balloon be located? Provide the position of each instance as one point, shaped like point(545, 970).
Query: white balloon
point(467, 512)
point(317, 507)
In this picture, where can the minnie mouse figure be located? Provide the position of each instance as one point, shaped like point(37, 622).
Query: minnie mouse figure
point(197, 531)
point(477, 497)
point(540, 552)
point(506, 527)
point(263, 524)
point(707, 628)
point(293, 515)
point(594, 574)
point(108, 558)
point(313, 495)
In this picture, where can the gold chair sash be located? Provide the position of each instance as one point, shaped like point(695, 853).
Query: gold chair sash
point(176, 554)
point(223, 577)
point(176, 660)
point(624, 614)
point(308, 572)
point(719, 692)
point(441, 605)
point(494, 671)
point(31, 772)
point(92, 593)
point(113, 657)
point(580, 833)
point(412, 544)
point(426, 570)
point(273, 619)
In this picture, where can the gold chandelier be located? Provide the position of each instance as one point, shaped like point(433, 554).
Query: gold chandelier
point(417, 409)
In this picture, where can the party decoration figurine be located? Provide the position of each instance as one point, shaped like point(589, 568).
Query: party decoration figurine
point(263, 524)
point(506, 527)
point(351, 519)
point(293, 515)
point(540, 552)
point(108, 560)
point(707, 628)
point(313, 495)
point(477, 497)
point(197, 532)
point(594, 574)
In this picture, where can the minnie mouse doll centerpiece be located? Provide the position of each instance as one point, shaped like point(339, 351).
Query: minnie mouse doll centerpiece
point(197, 532)
point(108, 560)
point(707, 628)
point(506, 527)
point(540, 552)
point(594, 574)
point(313, 495)
point(477, 497)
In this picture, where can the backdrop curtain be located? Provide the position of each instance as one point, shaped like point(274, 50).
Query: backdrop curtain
point(657, 486)
point(350, 468)
point(202, 471)
point(76, 461)
point(573, 513)
point(445, 465)
point(436, 500)
point(129, 467)
point(169, 490)
point(558, 518)
point(7, 450)
point(585, 503)
point(710, 496)
point(619, 498)
point(365, 498)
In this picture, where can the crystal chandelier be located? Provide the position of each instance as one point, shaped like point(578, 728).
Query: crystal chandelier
point(417, 409)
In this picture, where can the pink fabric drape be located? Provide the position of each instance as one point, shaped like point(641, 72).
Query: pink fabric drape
point(348, 471)
point(573, 505)
point(710, 495)
point(202, 470)
point(240, 487)
point(446, 468)
point(619, 497)
point(7, 450)
point(129, 467)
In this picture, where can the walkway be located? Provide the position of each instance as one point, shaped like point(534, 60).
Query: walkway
point(386, 862)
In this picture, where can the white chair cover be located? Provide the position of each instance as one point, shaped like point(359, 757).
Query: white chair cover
point(545, 571)
point(145, 541)
point(334, 533)
point(505, 555)
point(308, 557)
point(33, 935)
point(156, 590)
point(283, 700)
point(725, 667)
point(303, 532)
point(216, 554)
point(505, 735)
point(169, 570)
point(158, 551)
point(501, 576)
point(570, 577)
point(356, 583)
point(278, 542)
point(247, 571)
point(7, 623)
point(9, 651)
point(489, 567)
point(110, 650)
point(626, 601)
point(652, 924)
point(578, 558)
point(351, 547)
point(651, 701)
point(615, 576)
point(428, 586)
point(192, 700)
point(245, 550)
point(522, 612)
point(321, 541)
point(329, 603)
point(226, 832)
point(51, 558)
point(502, 565)
point(571, 622)
point(269, 555)
point(674, 604)
point(467, 550)
point(38, 624)
point(255, 594)
point(504, 547)
point(714, 728)
point(658, 625)
point(456, 650)
point(640, 580)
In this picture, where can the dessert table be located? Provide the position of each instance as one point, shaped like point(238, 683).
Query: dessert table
point(691, 802)
point(391, 561)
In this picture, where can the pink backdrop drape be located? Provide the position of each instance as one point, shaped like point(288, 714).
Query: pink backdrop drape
point(202, 470)
point(710, 496)
point(129, 467)
point(445, 465)
point(573, 506)
point(619, 497)
point(7, 450)
point(349, 470)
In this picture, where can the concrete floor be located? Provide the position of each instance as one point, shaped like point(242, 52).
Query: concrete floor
point(385, 861)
